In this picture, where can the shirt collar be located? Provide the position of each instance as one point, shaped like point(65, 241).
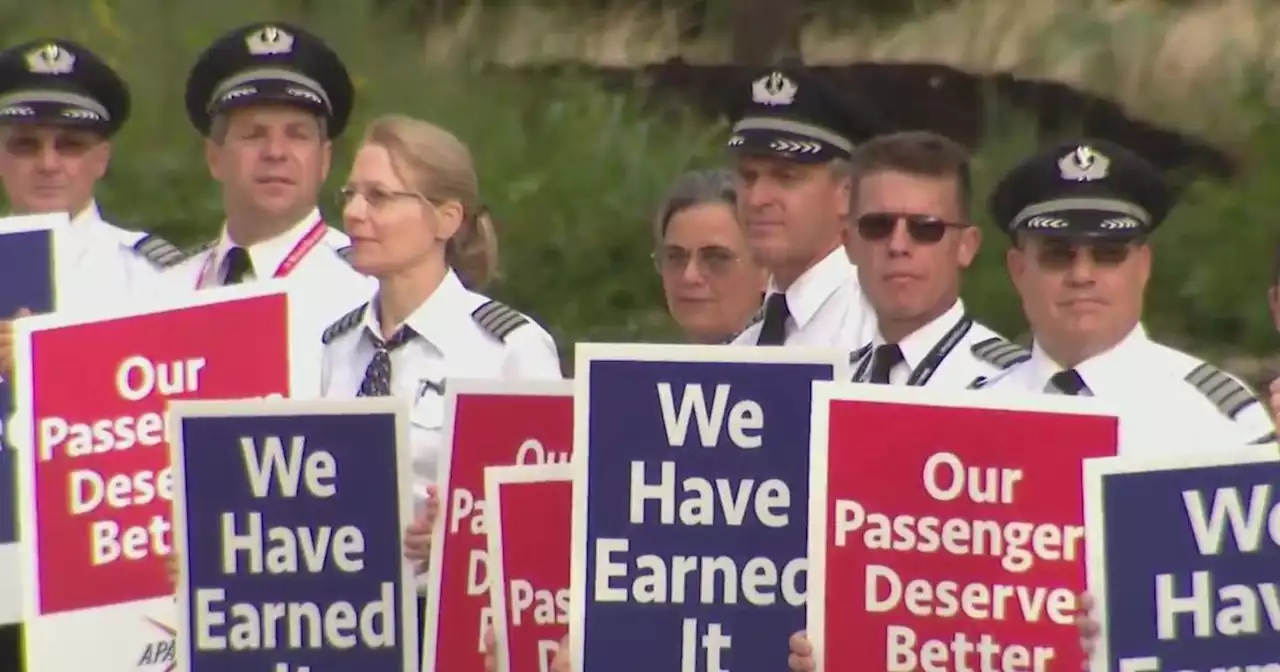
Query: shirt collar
point(88, 216)
point(812, 289)
point(1105, 370)
point(919, 343)
point(84, 230)
point(432, 321)
point(268, 254)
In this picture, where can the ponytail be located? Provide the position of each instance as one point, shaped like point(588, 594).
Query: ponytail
point(472, 252)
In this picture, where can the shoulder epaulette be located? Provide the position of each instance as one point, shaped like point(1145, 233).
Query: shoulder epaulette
point(498, 319)
point(1228, 394)
point(344, 253)
point(202, 247)
point(1000, 353)
point(857, 355)
point(344, 324)
point(159, 251)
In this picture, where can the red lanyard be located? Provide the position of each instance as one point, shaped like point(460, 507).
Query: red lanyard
point(291, 260)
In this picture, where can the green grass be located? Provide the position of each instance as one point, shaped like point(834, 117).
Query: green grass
point(573, 173)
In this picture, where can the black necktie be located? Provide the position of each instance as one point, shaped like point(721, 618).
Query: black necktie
point(377, 376)
point(238, 265)
point(776, 312)
point(1068, 382)
point(882, 362)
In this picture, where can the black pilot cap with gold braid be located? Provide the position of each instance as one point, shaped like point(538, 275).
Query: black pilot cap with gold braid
point(1083, 188)
point(788, 112)
point(61, 83)
point(270, 63)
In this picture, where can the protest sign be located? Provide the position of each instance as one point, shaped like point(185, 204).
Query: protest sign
point(1183, 558)
point(91, 394)
point(689, 517)
point(27, 281)
point(530, 509)
point(947, 527)
point(288, 521)
point(486, 423)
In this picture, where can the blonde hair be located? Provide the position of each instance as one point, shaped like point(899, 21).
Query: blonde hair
point(436, 164)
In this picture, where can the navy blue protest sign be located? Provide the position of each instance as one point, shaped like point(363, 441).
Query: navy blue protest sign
point(26, 281)
point(690, 511)
point(1183, 560)
point(288, 519)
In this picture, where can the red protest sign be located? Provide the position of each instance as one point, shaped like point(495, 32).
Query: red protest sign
point(947, 529)
point(93, 394)
point(487, 423)
point(530, 528)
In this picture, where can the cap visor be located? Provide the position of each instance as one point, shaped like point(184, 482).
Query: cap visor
point(789, 147)
point(273, 92)
point(1086, 224)
point(57, 114)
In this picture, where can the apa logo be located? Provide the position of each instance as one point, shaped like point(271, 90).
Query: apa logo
point(159, 652)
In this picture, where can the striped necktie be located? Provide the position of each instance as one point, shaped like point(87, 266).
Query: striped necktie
point(377, 376)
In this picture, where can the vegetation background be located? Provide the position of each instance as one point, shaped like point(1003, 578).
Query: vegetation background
point(573, 172)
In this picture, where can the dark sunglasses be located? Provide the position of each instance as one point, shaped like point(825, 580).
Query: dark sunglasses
point(1061, 255)
point(877, 226)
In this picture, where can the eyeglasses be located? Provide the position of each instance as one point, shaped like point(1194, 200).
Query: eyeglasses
point(877, 226)
point(1059, 255)
point(712, 259)
point(64, 144)
point(376, 198)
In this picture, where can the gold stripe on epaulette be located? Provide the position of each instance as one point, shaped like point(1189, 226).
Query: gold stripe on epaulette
point(1000, 353)
point(1229, 395)
point(498, 319)
point(159, 251)
point(344, 324)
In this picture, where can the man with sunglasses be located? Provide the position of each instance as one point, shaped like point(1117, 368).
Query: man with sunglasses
point(269, 100)
point(911, 240)
point(60, 105)
point(791, 141)
point(1079, 216)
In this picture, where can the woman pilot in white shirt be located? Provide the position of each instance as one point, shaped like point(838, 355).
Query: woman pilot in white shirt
point(412, 209)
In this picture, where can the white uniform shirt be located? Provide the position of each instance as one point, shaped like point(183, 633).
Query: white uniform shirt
point(1165, 399)
point(321, 279)
point(828, 309)
point(949, 352)
point(97, 263)
point(454, 339)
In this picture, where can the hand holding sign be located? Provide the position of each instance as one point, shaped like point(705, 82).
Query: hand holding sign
point(417, 537)
point(6, 341)
point(801, 658)
point(1089, 629)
